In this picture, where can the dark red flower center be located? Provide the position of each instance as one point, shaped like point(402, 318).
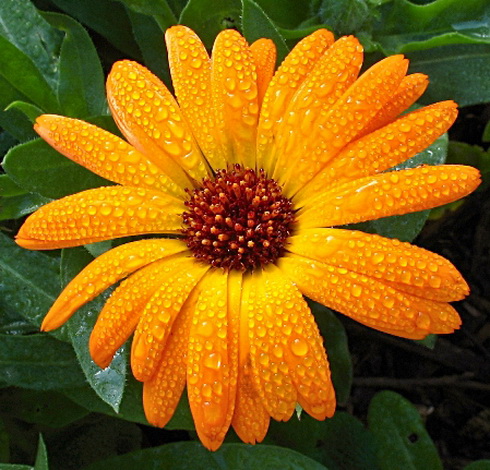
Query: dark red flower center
point(238, 220)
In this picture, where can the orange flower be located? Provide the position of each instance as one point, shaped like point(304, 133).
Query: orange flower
point(248, 173)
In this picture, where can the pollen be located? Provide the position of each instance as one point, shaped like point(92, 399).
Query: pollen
point(239, 220)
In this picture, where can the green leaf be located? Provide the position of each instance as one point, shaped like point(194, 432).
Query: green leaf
point(109, 382)
point(81, 88)
point(30, 111)
point(158, 9)
point(131, 408)
point(4, 443)
point(107, 18)
point(405, 26)
point(256, 24)
point(208, 17)
point(340, 443)
point(403, 441)
point(287, 15)
point(9, 188)
point(407, 227)
point(41, 457)
point(14, 207)
point(456, 72)
point(23, 26)
point(149, 37)
point(56, 175)
point(337, 348)
point(192, 455)
point(38, 362)
point(25, 287)
point(22, 74)
point(344, 16)
point(478, 465)
point(46, 408)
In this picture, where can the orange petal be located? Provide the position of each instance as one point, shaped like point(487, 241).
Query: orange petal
point(264, 54)
point(299, 342)
point(387, 194)
point(401, 265)
point(411, 88)
point(282, 87)
point(102, 153)
point(100, 214)
point(177, 279)
point(250, 420)
point(122, 311)
point(368, 300)
point(386, 147)
point(331, 76)
point(264, 324)
point(104, 271)
point(150, 118)
point(161, 394)
point(343, 122)
point(235, 96)
point(212, 361)
point(190, 67)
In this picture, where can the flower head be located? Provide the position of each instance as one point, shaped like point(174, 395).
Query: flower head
point(249, 172)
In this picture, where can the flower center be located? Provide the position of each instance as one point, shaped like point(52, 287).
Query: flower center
point(240, 220)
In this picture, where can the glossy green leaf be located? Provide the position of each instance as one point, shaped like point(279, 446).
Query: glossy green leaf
point(107, 17)
point(109, 382)
point(457, 72)
point(208, 17)
point(31, 111)
point(26, 287)
point(340, 443)
point(23, 26)
point(407, 227)
point(158, 9)
point(9, 188)
point(344, 16)
point(56, 175)
point(131, 408)
point(405, 26)
point(14, 466)
point(288, 15)
point(403, 441)
point(150, 40)
point(47, 408)
point(41, 462)
point(14, 207)
point(336, 344)
point(38, 362)
point(192, 456)
point(256, 24)
point(22, 74)
point(81, 83)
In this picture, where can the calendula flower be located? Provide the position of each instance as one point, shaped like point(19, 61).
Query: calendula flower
point(246, 174)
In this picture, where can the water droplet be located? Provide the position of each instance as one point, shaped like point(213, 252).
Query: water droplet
point(299, 347)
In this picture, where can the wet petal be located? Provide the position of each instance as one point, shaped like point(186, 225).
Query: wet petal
point(100, 214)
point(235, 96)
point(410, 90)
point(282, 87)
point(190, 67)
point(299, 342)
point(161, 394)
point(177, 279)
point(263, 322)
point(212, 361)
point(369, 301)
point(344, 121)
point(385, 148)
point(402, 265)
point(264, 54)
point(250, 420)
point(103, 153)
point(104, 271)
point(150, 118)
point(331, 76)
point(122, 311)
point(387, 194)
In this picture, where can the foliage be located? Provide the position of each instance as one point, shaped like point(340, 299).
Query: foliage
point(49, 63)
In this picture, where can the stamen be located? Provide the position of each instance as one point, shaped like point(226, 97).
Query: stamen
point(240, 220)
